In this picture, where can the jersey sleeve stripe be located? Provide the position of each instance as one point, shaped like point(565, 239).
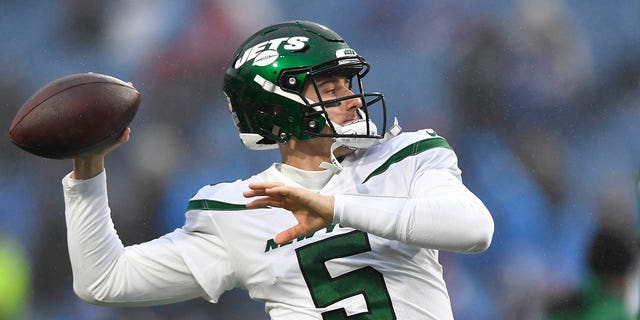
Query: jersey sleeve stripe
point(410, 150)
point(205, 204)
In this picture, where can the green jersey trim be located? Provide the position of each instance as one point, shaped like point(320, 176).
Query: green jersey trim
point(410, 150)
point(205, 204)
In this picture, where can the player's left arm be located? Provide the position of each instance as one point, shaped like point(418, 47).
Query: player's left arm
point(447, 216)
point(439, 213)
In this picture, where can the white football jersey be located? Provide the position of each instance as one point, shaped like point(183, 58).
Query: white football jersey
point(336, 271)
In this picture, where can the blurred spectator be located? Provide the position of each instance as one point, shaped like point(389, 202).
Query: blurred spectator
point(611, 290)
point(86, 23)
point(515, 266)
point(514, 131)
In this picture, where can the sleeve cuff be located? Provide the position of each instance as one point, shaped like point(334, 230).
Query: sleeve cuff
point(338, 205)
point(75, 186)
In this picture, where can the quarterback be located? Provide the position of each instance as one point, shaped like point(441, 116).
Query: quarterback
point(347, 226)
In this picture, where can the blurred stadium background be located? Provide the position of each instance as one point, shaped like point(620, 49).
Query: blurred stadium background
point(540, 98)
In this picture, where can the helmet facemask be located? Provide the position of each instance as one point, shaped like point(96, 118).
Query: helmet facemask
point(359, 133)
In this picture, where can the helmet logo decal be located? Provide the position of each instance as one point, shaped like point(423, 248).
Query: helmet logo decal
point(346, 52)
point(265, 58)
point(265, 53)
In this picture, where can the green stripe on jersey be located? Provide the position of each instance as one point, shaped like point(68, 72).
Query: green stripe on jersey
point(410, 150)
point(205, 204)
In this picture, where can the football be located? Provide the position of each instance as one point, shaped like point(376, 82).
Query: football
point(74, 115)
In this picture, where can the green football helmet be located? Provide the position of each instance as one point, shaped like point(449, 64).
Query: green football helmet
point(266, 78)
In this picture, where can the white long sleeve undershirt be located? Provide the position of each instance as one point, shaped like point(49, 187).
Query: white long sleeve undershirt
point(447, 216)
point(106, 272)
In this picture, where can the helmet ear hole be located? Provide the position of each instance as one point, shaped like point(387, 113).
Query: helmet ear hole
point(270, 109)
point(265, 119)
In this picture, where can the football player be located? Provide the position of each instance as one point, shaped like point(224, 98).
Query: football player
point(347, 226)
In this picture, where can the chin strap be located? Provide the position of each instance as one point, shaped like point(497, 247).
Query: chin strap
point(393, 131)
point(336, 167)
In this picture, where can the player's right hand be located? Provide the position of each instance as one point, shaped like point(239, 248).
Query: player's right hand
point(90, 165)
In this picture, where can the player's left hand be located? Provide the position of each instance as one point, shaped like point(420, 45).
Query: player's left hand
point(312, 210)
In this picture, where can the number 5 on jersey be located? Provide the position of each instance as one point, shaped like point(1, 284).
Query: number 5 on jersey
point(326, 290)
